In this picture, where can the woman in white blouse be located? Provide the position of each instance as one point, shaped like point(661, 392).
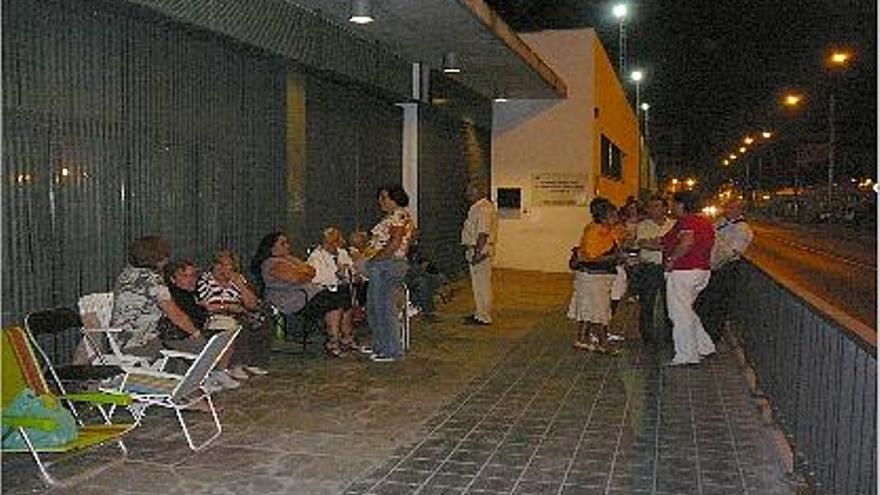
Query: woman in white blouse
point(389, 243)
point(333, 267)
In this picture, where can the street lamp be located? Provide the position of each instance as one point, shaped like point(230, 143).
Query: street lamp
point(637, 77)
point(748, 140)
point(837, 60)
point(792, 99)
point(645, 107)
point(620, 11)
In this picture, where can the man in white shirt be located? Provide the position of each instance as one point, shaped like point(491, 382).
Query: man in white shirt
point(649, 281)
point(478, 236)
point(732, 237)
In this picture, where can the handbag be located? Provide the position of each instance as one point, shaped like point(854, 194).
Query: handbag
point(28, 404)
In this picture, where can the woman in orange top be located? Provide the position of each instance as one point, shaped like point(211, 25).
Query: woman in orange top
point(595, 262)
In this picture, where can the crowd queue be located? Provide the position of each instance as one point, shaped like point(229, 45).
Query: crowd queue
point(679, 265)
point(680, 268)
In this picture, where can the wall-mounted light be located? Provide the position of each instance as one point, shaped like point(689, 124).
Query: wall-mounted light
point(450, 63)
point(361, 12)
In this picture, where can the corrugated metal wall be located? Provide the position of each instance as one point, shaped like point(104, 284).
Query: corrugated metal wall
point(451, 153)
point(120, 123)
point(354, 146)
point(116, 126)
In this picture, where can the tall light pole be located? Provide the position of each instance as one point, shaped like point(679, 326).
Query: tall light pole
point(837, 60)
point(645, 107)
point(637, 76)
point(620, 11)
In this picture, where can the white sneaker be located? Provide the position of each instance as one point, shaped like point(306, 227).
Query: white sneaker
point(381, 359)
point(255, 370)
point(412, 310)
point(222, 380)
point(238, 373)
point(615, 337)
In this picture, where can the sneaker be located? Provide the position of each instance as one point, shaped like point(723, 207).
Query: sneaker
point(381, 359)
point(674, 363)
point(255, 370)
point(222, 380)
point(238, 373)
point(365, 349)
point(616, 337)
point(412, 310)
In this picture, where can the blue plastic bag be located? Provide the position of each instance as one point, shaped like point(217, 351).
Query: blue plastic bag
point(28, 404)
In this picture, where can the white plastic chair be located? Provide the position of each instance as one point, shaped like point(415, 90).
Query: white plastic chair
point(98, 308)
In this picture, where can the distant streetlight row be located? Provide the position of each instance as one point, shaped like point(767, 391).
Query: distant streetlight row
point(836, 60)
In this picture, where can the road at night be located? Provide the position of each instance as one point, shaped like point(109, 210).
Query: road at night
point(837, 266)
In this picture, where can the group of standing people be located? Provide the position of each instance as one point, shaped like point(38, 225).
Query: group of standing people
point(684, 261)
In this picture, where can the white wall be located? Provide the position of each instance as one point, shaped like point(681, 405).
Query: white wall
point(546, 136)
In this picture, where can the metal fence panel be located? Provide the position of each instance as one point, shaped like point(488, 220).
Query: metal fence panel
point(820, 378)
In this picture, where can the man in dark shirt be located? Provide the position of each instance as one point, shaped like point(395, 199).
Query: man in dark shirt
point(182, 278)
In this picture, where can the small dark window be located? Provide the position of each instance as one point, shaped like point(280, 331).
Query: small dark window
point(509, 197)
point(612, 160)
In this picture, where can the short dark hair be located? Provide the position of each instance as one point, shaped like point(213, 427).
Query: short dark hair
point(688, 200)
point(178, 265)
point(600, 208)
point(147, 252)
point(396, 193)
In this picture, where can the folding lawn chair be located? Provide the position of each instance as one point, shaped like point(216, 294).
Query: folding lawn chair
point(180, 392)
point(21, 371)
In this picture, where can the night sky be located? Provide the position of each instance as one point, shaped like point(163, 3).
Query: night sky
point(715, 70)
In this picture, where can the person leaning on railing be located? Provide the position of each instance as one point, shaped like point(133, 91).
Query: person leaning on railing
point(732, 237)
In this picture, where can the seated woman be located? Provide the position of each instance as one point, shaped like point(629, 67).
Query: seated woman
point(141, 300)
point(333, 272)
point(224, 290)
point(287, 281)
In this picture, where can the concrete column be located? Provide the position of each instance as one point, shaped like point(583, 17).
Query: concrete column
point(410, 170)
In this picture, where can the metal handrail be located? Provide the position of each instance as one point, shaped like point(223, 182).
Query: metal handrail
point(818, 368)
point(861, 333)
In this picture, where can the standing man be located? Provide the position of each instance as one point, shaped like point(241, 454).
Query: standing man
point(686, 253)
point(478, 236)
point(732, 237)
point(649, 279)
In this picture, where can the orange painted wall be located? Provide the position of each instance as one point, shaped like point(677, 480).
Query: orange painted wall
point(617, 122)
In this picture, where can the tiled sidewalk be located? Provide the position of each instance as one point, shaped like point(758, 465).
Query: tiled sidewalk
point(512, 408)
point(549, 419)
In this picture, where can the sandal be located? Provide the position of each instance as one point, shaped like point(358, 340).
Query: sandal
point(349, 346)
point(332, 351)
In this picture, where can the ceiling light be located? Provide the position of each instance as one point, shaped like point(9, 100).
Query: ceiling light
point(361, 12)
point(450, 63)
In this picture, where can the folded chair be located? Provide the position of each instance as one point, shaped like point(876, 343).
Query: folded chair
point(58, 330)
point(21, 371)
point(100, 340)
point(180, 392)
